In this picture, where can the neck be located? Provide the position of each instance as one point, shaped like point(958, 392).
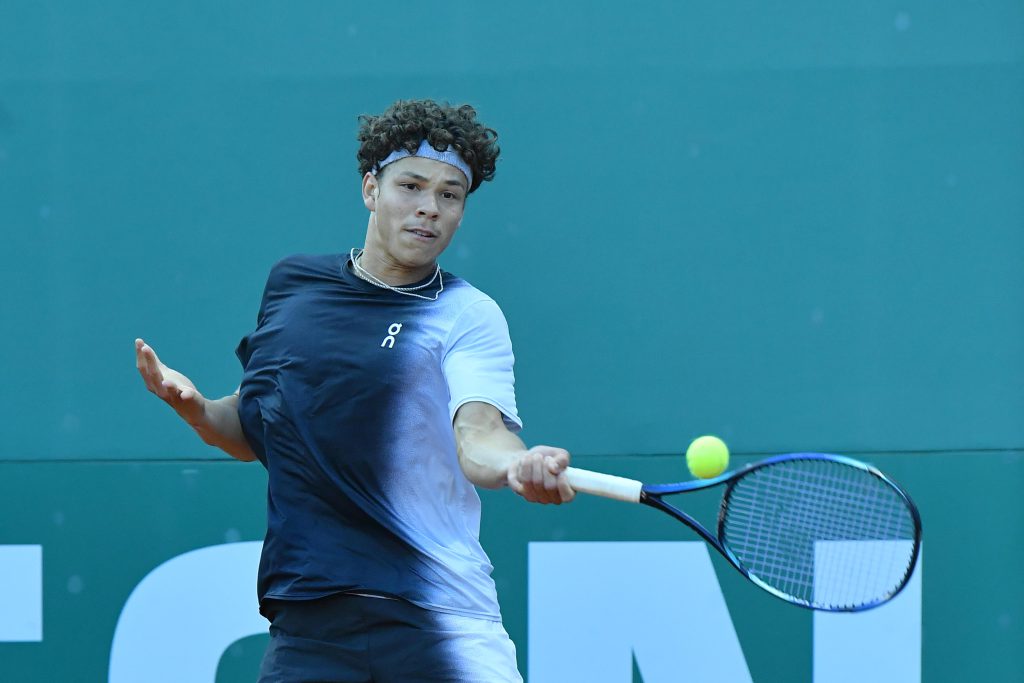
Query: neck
point(387, 273)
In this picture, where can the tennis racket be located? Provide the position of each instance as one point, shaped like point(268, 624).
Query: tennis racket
point(823, 532)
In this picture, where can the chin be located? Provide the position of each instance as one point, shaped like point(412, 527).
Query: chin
point(423, 256)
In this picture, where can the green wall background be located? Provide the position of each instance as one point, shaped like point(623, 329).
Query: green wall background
point(800, 227)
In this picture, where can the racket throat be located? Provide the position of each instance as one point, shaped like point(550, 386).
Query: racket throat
point(653, 500)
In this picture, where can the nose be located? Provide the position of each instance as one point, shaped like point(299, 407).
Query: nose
point(428, 206)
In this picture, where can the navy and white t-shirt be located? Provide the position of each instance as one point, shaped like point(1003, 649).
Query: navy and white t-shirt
point(347, 399)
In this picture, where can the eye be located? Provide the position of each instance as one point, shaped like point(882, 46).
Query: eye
point(409, 186)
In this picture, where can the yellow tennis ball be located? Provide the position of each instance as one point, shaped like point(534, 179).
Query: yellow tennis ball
point(707, 457)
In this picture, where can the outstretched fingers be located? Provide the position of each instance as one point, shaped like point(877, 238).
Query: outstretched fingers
point(150, 368)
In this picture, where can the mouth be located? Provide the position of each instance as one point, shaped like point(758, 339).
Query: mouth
point(422, 233)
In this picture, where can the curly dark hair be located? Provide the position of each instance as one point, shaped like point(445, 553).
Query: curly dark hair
point(406, 123)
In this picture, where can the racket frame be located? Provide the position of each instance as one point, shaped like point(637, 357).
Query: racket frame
point(652, 496)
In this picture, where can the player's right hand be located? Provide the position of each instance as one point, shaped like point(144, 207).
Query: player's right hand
point(174, 388)
point(539, 476)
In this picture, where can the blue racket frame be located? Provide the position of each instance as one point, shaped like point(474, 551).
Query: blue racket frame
point(651, 495)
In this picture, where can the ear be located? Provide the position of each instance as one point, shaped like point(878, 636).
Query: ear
point(370, 190)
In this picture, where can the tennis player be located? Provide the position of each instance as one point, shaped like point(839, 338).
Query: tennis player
point(377, 390)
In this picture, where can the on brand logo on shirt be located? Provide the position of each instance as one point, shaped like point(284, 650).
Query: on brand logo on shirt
point(389, 341)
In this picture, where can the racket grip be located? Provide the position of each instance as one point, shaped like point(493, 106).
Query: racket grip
point(605, 485)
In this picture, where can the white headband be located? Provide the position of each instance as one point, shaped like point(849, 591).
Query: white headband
point(427, 151)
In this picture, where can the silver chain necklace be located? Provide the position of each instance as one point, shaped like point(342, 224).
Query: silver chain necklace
point(363, 274)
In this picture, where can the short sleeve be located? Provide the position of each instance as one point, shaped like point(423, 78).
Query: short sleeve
point(478, 363)
point(242, 351)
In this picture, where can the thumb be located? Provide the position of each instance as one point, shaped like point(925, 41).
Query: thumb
point(186, 401)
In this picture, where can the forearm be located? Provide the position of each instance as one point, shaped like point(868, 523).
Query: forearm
point(493, 457)
point(221, 428)
point(486, 455)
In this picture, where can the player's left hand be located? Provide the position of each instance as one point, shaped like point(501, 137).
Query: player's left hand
point(539, 476)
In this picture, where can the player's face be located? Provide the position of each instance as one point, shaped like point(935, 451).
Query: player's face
point(417, 206)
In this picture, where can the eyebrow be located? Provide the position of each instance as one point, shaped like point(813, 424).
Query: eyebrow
point(417, 176)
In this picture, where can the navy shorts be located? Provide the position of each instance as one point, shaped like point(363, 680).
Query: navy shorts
point(359, 639)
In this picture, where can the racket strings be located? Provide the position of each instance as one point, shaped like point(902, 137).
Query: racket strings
point(821, 532)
